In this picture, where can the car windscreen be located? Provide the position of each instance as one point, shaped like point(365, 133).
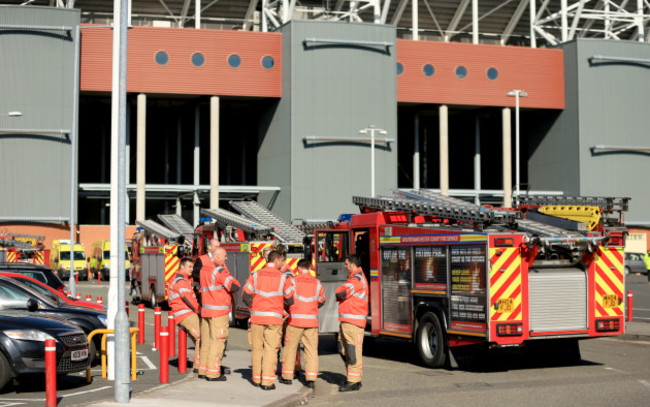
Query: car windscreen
point(77, 255)
point(15, 295)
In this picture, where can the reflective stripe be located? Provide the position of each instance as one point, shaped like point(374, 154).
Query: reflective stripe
point(304, 316)
point(290, 290)
point(351, 316)
point(184, 290)
point(212, 288)
point(181, 312)
point(360, 295)
point(250, 287)
point(216, 270)
point(217, 307)
point(305, 299)
point(173, 297)
point(271, 294)
point(266, 314)
point(228, 280)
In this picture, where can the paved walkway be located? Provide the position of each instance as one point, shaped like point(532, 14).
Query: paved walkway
point(238, 390)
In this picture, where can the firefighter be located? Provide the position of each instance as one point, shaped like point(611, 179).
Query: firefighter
point(217, 285)
point(646, 261)
point(309, 296)
point(267, 293)
point(353, 309)
point(265, 255)
point(184, 305)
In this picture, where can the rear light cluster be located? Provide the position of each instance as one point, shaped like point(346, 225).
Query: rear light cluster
point(615, 241)
point(504, 242)
point(605, 325)
point(510, 329)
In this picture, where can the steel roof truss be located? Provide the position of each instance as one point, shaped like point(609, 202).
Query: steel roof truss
point(460, 11)
point(514, 20)
point(433, 17)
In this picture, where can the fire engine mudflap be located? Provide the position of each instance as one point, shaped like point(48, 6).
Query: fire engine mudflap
point(446, 274)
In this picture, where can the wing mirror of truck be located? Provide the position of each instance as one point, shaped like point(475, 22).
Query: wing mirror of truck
point(32, 305)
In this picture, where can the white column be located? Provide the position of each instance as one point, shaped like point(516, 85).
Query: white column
point(416, 153)
point(507, 157)
point(141, 153)
point(214, 152)
point(533, 15)
point(444, 149)
point(474, 21)
point(415, 27)
point(197, 163)
point(564, 20)
point(477, 159)
point(197, 14)
point(639, 20)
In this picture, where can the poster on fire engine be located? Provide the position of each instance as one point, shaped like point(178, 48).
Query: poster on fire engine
point(430, 267)
point(468, 296)
point(396, 289)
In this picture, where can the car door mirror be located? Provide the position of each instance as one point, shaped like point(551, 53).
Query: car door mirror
point(32, 305)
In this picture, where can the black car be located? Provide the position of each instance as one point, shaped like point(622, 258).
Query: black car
point(22, 345)
point(37, 272)
point(14, 295)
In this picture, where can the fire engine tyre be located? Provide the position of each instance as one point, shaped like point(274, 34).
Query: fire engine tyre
point(232, 321)
point(154, 300)
point(136, 295)
point(5, 371)
point(430, 340)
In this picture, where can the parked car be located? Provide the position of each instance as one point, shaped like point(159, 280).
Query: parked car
point(634, 263)
point(37, 272)
point(22, 345)
point(14, 295)
point(50, 292)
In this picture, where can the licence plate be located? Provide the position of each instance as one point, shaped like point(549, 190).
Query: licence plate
point(78, 355)
point(610, 301)
point(505, 304)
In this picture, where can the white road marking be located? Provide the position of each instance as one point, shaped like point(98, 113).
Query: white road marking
point(86, 391)
point(3, 404)
point(640, 318)
point(616, 370)
point(148, 363)
point(11, 399)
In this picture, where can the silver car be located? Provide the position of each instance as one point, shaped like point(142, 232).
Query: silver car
point(634, 263)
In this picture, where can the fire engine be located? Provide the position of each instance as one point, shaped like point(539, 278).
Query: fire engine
point(155, 256)
point(244, 237)
point(445, 273)
point(21, 248)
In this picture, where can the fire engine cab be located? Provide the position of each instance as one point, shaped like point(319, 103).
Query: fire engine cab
point(445, 273)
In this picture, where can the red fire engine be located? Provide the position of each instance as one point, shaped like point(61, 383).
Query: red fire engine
point(21, 248)
point(445, 273)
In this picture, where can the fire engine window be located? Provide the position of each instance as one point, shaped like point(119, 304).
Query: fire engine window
point(332, 247)
point(396, 289)
point(430, 267)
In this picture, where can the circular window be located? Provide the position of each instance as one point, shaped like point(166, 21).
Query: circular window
point(492, 74)
point(198, 59)
point(461, 72)
point(428, 70)
point(161, 58)
point(268, 62)
point(234, 61)
point(400, 68)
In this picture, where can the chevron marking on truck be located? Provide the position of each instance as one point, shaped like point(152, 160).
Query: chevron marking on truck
point(257, 261)
point(38, 258)
point(505, 284)
point(171, 264)
point(11, 256)
point(609, 282)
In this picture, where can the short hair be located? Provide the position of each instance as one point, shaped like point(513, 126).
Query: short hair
point(185, 260)
point(304, 264)
point(274, 255)
point(267, 249)
point(354, 259)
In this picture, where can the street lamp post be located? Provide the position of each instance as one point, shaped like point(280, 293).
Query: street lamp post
point(517, 93)
point(372, 130)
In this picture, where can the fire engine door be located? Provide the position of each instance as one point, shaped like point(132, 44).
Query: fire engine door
point(331, 249)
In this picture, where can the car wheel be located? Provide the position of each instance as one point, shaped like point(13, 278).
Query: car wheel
point(5, 371)
point(430, 340)
point(92, 352)
point(627, 270)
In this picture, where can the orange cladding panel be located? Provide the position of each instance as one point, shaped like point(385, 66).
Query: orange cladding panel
point(540, 72)
point(179, 75)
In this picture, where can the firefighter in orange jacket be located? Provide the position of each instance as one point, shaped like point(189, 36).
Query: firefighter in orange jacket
point(353, 309)
point(184, 305)
point(267, 293)
point(216, 287)
point(309, 296)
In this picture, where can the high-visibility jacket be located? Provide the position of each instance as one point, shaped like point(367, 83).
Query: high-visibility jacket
point(307, 299)
point(181, 298)
point(266, 293)
point(216, 286)
point(353, 299)
point(646, 260)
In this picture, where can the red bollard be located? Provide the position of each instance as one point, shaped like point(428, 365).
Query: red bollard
point(140, 324)
point(182, 351)
point(630, 300)
point(78, 298)
point(156, 327)
point(100, 300)
point(99, 277)
point(76, 277)
point(172, 335)
point(126, 308)
point(50, 373)
point(89, 297)
point(164, 357)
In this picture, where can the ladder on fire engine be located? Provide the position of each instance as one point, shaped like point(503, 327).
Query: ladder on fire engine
point(282, 230)
point(157, 229)
point(604, 203)
point(227, 218)
point(180, 226)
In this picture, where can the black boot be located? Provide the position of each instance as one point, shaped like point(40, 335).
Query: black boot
point(350, 386)
point(285, 381)
point(311, 384)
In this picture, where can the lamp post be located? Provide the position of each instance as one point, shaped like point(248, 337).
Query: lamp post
point(517, 93)
point(372, 130)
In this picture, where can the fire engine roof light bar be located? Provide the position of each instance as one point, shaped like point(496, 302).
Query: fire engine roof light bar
point(228, 218)
point(157, 229)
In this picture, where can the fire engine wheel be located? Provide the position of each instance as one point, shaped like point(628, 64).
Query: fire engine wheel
point(430, 340)
point(136, 295)
point(154, 300)
point(232, 321)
